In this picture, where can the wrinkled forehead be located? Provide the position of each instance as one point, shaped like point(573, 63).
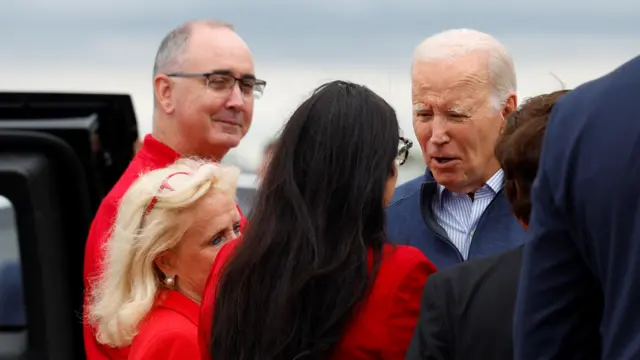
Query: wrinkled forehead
point(218, 209)
point(446, 81)
point(218, 49)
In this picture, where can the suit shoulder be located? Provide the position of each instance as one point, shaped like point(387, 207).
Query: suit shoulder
point(402, 254)
point(406, 259)
point(481, 267)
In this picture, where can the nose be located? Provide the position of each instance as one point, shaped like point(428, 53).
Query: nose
point(439, 132)
point(235, 100)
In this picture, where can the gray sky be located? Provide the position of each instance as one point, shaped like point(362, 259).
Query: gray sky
point(88, 45)
point(328, 30)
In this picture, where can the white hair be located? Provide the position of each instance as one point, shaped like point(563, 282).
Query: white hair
point(126, 290)
point(174, 45)
point(451, 44)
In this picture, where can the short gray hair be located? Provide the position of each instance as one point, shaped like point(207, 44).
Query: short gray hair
point(453, 43)
point(172, 48)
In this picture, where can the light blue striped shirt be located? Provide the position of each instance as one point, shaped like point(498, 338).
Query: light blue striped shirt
point(458, 214)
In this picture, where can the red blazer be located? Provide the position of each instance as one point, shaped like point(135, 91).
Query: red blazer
point(152, 155)
point(170, 331)
point(382, 329)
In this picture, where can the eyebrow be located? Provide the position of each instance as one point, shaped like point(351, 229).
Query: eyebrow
point(224, 228)
point(218, 232)
point(419, 107)
point(230, 73)
point(457, 108)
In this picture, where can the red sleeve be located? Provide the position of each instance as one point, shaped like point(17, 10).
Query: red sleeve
point(208, 298)
point(169, 345)
point(405, 305)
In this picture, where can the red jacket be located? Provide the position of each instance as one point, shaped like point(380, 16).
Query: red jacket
point(152, 155)
point(382, 329)
point(169, 332)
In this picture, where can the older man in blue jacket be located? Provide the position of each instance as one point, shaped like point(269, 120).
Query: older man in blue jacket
point(463, 88)
point(579, 295)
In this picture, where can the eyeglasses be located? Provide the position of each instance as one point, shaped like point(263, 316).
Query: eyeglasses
point(221, 83)
point(403, 151)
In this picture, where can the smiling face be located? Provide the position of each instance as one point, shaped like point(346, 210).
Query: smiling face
point(455, 121)
point(208, 121)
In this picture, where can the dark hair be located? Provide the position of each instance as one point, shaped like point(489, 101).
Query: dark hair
point(302, 267)
point(269, 146)
point(518, 150)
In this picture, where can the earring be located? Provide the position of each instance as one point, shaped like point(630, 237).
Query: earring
point(169, 281)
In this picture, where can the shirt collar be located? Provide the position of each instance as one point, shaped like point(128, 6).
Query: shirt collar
point(495, 183)
point(157, 152)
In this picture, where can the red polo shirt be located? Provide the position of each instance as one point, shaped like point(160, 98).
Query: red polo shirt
point(152, 155)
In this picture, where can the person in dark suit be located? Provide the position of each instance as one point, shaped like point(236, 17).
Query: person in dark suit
point(467, 310)
point(580, 287)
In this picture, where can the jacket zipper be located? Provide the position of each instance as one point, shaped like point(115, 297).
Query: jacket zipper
point(480, 221)
point(482, 218)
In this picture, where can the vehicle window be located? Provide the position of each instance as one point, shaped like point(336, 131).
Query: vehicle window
point(13, 320)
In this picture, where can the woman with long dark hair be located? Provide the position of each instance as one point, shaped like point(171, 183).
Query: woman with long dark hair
point(314, 277)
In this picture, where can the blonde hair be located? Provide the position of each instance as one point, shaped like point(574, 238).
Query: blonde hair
point(126, 290)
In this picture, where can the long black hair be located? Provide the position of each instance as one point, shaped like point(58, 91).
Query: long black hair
point(302, 267)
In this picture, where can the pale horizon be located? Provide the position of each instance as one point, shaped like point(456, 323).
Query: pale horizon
point(75, 46)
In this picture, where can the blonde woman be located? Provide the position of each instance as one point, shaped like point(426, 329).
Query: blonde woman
point(168, 230)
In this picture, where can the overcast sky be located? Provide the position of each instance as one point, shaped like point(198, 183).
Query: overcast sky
point(88, 45)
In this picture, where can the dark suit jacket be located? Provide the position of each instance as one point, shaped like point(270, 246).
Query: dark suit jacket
point(579, 293)
point(467, 311)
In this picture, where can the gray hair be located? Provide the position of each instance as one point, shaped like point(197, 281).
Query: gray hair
point(451, 44)
point(173, 47)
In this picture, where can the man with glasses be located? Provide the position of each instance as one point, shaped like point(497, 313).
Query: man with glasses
point(204, 87)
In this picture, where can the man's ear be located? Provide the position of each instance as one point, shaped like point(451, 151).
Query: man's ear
point(163, 91)
point(166, 263)
point(510, 105)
